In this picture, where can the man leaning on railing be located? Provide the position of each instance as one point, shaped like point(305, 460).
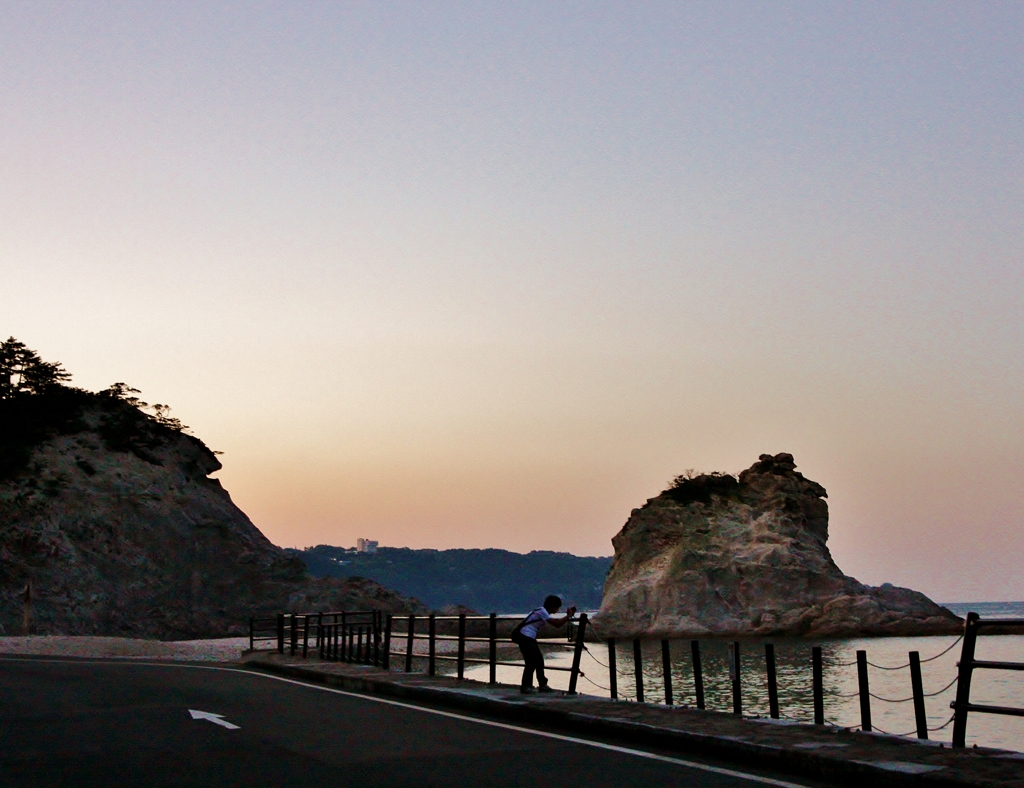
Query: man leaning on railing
point(525, 636)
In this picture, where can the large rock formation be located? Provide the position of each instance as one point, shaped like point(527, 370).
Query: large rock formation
point(719, 556)
point(110, 515)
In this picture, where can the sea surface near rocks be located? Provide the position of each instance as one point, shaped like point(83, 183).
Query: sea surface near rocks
point(842, 704)
point(212, 650)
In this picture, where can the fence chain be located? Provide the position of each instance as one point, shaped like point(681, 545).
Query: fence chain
point(591, 655)
point(939, 692)
point(887, 733)
point(930, 659)
point(606, 689)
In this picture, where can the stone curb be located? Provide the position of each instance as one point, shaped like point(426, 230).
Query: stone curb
point(816, 765)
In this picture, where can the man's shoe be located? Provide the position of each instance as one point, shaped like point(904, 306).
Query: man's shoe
point(527, 690)
point(544, 688)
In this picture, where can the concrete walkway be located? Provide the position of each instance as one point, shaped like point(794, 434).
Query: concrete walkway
point(834, 755)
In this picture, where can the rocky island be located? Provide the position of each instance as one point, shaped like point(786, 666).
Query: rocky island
point(110, 523)
point(718, 555)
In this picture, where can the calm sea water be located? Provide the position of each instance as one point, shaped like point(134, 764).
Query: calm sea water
point(842, 707)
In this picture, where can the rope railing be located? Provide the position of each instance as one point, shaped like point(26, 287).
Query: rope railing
point(863, 692)
point(905, 664)
point(930, 659)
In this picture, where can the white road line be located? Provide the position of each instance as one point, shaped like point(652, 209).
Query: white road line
point(451, 715)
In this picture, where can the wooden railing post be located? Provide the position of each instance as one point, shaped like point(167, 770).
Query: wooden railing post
point(917, 690)
point(577, 654)
point(492, 649)
point(613, 673)
point(409, 644)
point(345, 655)
point(773, 684)
point(735, 675)
point(387, 643)
point(864, 690)
point(666, 670)
point(305, 636)
point(818, 686)
point(638, 670)
point(462, 646)
point(963, 683)
point(432, 645)
point(294, 639)
point(280, 633)
point(698, 674)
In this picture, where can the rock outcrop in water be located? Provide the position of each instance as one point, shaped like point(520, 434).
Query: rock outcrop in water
point(110, 516)
point(717, 555)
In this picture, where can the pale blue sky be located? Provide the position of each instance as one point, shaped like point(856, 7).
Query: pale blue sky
point(469, 274)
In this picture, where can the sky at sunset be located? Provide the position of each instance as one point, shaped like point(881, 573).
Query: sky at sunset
point(471, 274)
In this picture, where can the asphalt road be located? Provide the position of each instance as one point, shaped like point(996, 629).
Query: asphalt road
point(107, 723)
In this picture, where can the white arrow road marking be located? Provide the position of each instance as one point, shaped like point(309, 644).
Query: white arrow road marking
point(216, 719)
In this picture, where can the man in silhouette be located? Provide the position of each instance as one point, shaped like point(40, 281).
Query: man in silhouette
point(525, 636)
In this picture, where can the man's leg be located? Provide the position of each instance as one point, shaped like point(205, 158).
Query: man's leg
point(527, 652)
point(542, 681)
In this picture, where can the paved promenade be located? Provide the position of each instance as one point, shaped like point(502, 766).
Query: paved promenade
point(786, 750)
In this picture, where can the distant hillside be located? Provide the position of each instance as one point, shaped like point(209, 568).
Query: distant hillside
point(492, 580)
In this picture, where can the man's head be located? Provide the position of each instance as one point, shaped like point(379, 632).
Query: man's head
point(553, 604)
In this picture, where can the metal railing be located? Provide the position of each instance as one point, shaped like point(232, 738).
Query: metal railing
point(968, 664)
point(367, 637)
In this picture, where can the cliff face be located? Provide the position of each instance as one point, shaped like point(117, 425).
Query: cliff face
point(720, 556)
point(112, 518)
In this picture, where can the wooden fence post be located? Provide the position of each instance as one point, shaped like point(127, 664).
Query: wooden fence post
point(387, 643)
point(613, 673)
point(492, 651)
point(432, 645)
point(577, 653)
point(817, 686)
point(917, 690)
point(735, 674)
point(638, 670)
point(773, 685)
point(963, 682)
point(410, 643)
point(666, 670)
point(462, 646)
point(864, 691)
point(698, 674)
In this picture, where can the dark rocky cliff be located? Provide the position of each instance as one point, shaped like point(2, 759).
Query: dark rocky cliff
point(717, 555)
point(111, 515)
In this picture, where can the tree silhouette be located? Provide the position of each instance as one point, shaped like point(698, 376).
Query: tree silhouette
point(22, 371)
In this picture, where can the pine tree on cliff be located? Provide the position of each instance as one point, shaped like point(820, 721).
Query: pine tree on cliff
point(22, 371)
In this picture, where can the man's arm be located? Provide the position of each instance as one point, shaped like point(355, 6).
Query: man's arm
point(561, 622)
